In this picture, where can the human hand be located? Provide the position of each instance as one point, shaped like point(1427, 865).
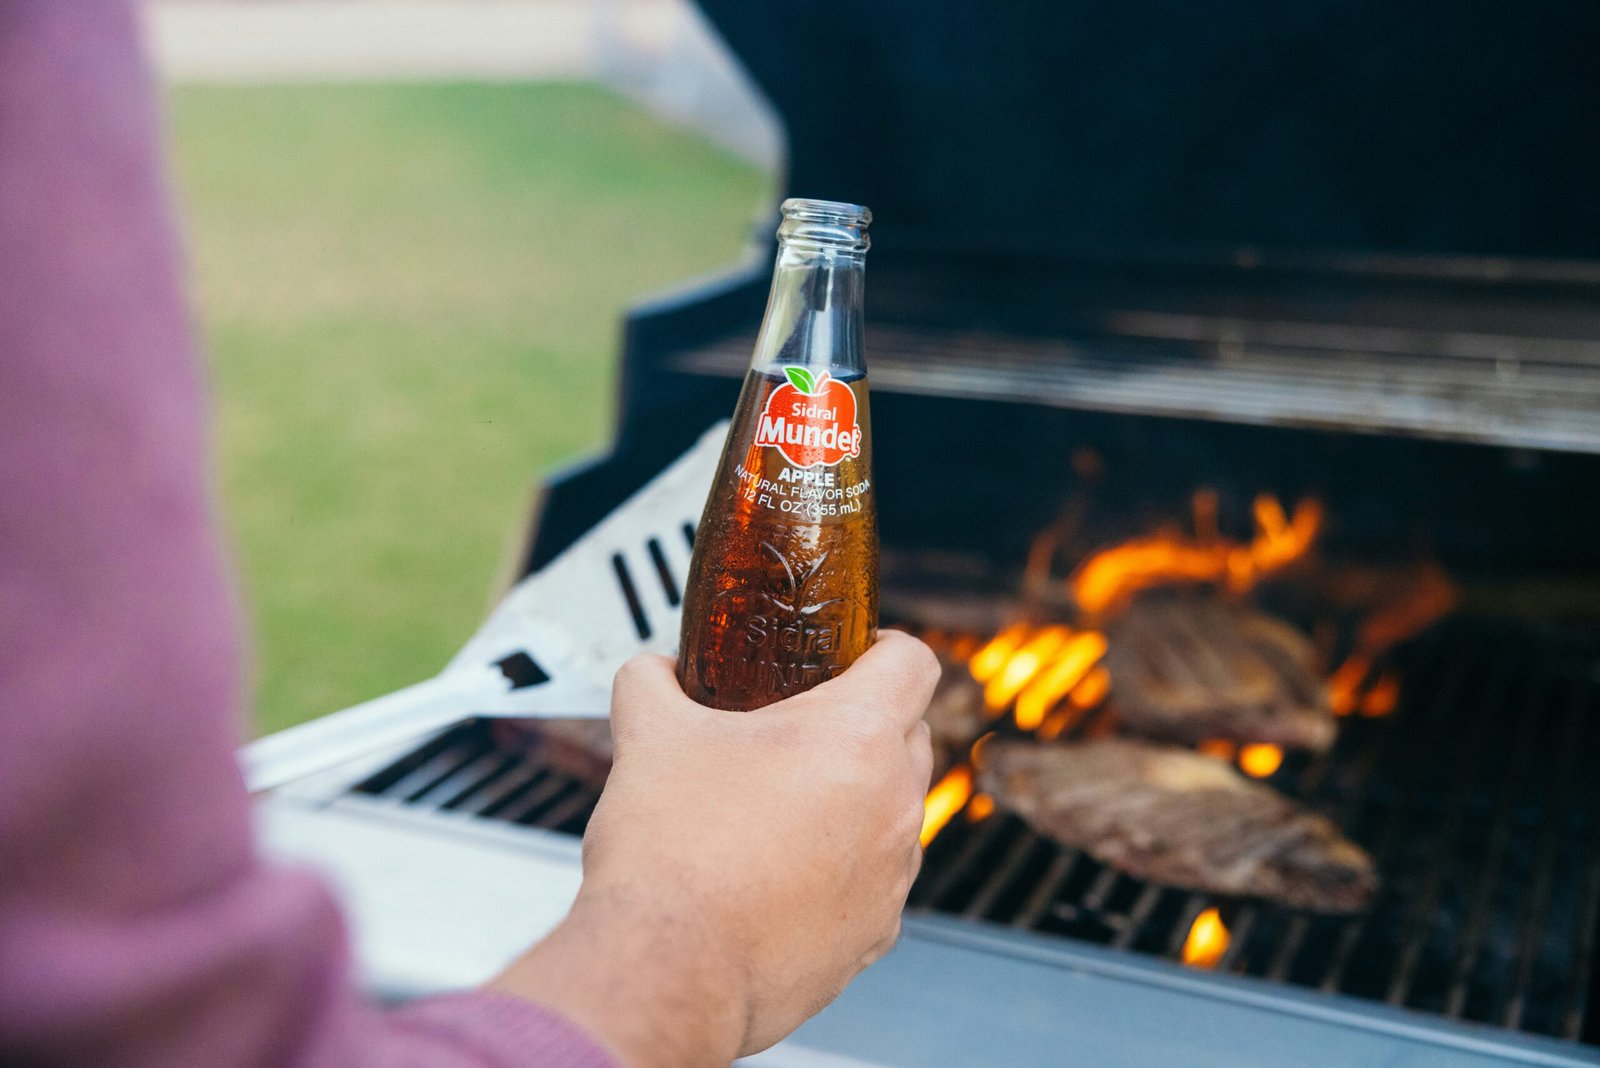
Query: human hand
point(741, 868)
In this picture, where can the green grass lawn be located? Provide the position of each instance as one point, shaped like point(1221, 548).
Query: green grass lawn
point(411, 297)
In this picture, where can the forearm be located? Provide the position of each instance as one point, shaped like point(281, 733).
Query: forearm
point(641, 974)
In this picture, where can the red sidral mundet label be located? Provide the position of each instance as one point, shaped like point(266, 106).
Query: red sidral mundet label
point(811, 419)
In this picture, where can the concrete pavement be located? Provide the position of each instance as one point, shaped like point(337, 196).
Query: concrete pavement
point(659, 52)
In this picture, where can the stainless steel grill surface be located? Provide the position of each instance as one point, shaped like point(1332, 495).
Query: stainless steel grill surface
point(1497, 389)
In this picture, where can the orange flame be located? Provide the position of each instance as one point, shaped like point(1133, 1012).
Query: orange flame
point(1419, 604)
point(1038, 667)
point(1023, 665)
point(1259, 760)
point(1111, 576)
point(994, 654)
point(980, 808)
point(1074, 659)
point(1220, 748)
point(946, 798)
point(1207, 941)
point(1114, 574)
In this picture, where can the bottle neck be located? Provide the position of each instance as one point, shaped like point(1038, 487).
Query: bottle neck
point(814, 312)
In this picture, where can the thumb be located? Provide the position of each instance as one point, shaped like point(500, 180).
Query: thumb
point(894, 678)
point(645, 688)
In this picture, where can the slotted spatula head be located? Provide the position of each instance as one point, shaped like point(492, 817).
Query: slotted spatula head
point(551, 646)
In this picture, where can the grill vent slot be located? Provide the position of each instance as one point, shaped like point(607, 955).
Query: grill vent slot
point(630, 593)
point(522, 671)
point(669, 585)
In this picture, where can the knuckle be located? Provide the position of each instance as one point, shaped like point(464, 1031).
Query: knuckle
point(922, 659)
point(633, 672)
point(917, 662)
point(872, 736)
point(908, 828)
point(921, 740)
point(909, 662)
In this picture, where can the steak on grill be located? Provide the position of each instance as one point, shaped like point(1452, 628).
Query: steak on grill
point(1190, 666)
point(1174, 816)
point(955, 716)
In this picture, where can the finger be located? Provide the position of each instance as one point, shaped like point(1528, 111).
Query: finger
point(920, 742)
point(881, 948)
point(915, 867)
point(644, 687)
point(895, 677)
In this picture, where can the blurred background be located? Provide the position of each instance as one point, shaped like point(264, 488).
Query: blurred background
point(414, 226)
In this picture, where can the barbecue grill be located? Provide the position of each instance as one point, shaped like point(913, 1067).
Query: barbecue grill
point(1334, 250)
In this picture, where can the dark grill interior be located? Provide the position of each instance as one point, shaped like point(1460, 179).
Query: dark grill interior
point(1476, 797)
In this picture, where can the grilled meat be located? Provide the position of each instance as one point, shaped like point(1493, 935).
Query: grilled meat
point(1190, 666)
point(955, 717)
point(1171, 815)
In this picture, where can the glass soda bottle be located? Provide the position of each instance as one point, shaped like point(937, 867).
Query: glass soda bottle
point(783, 583)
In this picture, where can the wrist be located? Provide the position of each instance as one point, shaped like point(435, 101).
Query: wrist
point(643, 978)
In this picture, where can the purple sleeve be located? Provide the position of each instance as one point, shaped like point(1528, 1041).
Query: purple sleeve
point(137, 924)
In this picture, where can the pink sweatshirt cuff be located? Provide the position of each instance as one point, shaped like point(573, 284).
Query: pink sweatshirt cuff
point(504, 1031)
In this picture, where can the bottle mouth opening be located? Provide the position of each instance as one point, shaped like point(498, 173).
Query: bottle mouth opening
point(829, 224)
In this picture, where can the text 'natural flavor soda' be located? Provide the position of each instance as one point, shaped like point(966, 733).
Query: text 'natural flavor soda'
point(783, 586)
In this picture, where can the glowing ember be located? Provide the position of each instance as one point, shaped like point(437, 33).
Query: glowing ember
point(962, 647)
point(1280, 540)
point(979, 746)
point(1207, 941)
point(1423, 601)
point(1207, 530)
point(1073, 661)
point(946, 798)
point(1344, 685)
point(1092, 690)
point(1220, 748)
point(1381, 699)
point(980, 808)
point(1259, 761)
point(1058, 722)
point(1109, 577)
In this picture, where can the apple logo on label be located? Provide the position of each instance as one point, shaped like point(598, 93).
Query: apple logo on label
point(810, 419)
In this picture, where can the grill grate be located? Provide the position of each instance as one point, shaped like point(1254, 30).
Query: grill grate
point(1475, 801)
point(1533, 392)
point(1475, 797)
point(463, 771)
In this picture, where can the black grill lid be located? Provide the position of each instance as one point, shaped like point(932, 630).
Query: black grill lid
point(1126, 128)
